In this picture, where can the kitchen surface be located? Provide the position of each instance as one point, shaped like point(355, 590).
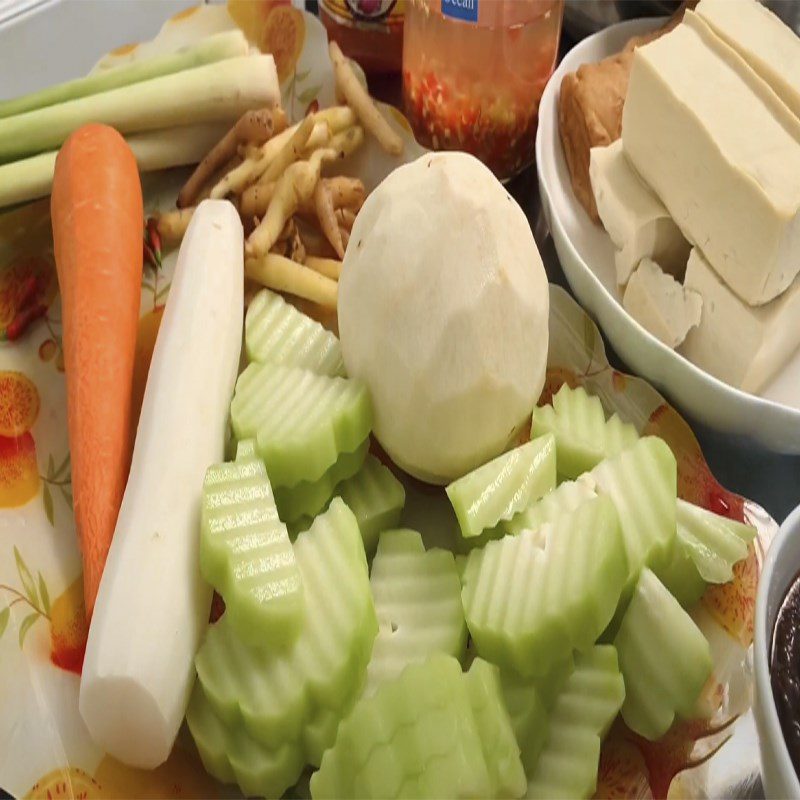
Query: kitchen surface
point(381, 381)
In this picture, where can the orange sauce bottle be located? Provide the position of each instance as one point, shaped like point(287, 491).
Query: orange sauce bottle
point(369, 31)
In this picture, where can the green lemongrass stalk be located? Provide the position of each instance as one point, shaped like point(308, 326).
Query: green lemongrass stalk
point(210, 93)
point(32, 178)
point(218, 47)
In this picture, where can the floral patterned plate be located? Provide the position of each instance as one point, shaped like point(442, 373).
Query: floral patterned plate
point(45, 750)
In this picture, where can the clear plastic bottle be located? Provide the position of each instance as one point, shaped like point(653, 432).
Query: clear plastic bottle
point(474, 72)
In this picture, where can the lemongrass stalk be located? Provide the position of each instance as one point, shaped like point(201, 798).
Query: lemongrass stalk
point(31, 178)
point(213, 92)
point(209, 50)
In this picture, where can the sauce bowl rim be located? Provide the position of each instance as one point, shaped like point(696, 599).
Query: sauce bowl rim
point(768, 599)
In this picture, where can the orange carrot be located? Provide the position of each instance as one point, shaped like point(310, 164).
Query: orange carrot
point(97, 214)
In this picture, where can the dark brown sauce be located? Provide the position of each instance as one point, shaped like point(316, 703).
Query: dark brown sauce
point(785, 669)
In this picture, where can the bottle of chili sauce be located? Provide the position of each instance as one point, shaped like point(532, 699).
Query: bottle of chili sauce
point(474, 72)
point(369, 31)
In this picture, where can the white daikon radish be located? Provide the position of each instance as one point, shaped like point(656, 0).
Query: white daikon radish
point(153, 606)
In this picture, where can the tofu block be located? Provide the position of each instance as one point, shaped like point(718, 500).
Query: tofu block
point(722, 152)
point(660, 304)
point(739, 344)
point(636, 220)
point(761, 38)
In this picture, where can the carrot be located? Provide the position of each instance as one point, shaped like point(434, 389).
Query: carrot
point(97, 216)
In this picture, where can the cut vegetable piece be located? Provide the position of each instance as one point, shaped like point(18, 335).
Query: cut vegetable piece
point(418, 731)
point(681, 578)
point(211, 736)
point(372, 726)
point(302, 789)
point(529, 718)
point(528, 607)
point(376, 497)
point(245, 449)
point(583, 712)
point(231, 755)
point(320, 731)
point(417, 598)
point(583, 436)
point(566, 497)
point(301, 421)
point(277, 692)
point(308, 498)
point(706, 549)
point(547, 686)
point(505, 486)
point(298, 526)
point(278, 333)
point(153, 605)
point(245, 552)
point(664, 658)
point(642, 482)
point(500, 748)
point(714, 543)
point(529, 701)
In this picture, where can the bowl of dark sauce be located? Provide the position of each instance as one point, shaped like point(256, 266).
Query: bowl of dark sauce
point(777, 663)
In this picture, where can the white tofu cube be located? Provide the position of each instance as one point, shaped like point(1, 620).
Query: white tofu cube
point(739, 344)
point(722, 152)
point(635, 219)
point(660, 304)
point(761, 38)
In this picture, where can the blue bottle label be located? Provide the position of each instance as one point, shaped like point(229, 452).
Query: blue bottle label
point(466, 10)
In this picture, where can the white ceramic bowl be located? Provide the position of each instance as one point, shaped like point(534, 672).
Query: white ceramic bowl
point(780, 567)
point(587, 257)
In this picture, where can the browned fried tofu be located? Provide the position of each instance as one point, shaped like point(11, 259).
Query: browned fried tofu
point(590, 110)
point(590, 115)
